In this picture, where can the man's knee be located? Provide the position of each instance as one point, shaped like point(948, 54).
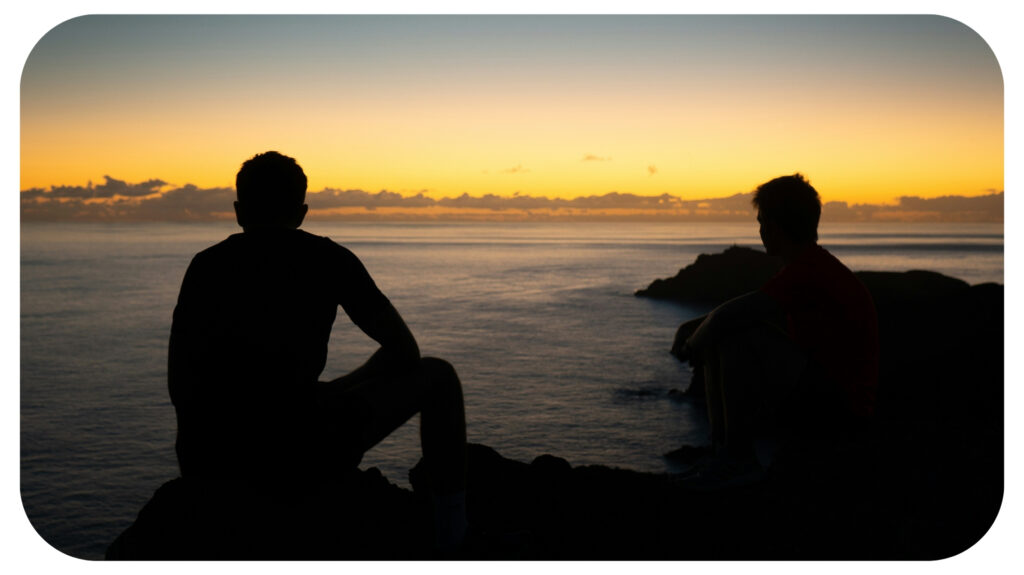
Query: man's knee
point(731, 348)
point(436, 368)
point(752, 343)
point(439, 375)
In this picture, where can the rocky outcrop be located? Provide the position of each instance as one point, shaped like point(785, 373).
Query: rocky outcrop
point(715, 278)
point(844, 505)
point(361, 516)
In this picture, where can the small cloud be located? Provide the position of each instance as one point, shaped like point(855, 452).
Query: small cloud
point(114, 187)
point(110, 188)
point(519, 169)
point(595, 158)
point(652, 169)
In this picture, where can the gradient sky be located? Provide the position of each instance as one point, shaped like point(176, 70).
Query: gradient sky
point(869, 107)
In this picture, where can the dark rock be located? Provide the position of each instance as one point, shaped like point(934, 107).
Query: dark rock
point(716, 278)
point(688, 454)
point(896, 288)
point(359, 516)
point(845, 505)
point(551, 465)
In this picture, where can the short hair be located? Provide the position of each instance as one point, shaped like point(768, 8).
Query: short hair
point(271, 186)
point(792, 204)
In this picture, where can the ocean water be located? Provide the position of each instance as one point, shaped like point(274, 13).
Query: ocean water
point(555, 353)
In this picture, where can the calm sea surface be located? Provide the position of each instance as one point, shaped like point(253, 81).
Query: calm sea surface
point(555, 353)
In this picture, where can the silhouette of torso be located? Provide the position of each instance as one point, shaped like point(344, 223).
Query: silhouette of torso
point(248, 340)
point(832, 317)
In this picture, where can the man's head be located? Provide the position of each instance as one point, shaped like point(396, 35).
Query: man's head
point(271, 190)
point(788, 209)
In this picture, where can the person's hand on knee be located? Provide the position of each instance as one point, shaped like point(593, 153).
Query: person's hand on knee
point(682, 346)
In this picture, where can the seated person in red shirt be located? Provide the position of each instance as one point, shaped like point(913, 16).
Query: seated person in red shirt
point(249, 342)
point(801, 353)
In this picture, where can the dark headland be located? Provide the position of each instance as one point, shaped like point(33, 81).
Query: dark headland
point(924, 481)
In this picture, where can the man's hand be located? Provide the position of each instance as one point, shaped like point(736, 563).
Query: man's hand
point(681, 348)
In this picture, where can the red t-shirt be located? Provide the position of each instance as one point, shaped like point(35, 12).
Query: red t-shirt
point(832, 317)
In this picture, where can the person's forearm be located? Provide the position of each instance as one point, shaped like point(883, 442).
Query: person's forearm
point(383, 360)
point(397, 343)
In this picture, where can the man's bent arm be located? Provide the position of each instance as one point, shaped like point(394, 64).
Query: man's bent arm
point(398, 347)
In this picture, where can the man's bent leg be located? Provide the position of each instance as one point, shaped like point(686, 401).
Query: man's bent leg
point(443, 427)
point(443, 440)
point(433, 389)
point(732, 380)
point(387, 400)
point(748, 375)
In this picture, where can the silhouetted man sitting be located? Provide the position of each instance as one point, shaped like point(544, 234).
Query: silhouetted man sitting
point(800, 355)
point(249, 342)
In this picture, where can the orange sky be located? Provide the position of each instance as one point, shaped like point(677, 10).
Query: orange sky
point(869, 108)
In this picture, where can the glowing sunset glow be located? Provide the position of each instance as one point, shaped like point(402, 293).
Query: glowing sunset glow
point(870, 108)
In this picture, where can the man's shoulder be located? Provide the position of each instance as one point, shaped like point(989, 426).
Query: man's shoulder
point(247, 240)
point(300, 244)
point(840, 279)
point(815, 261)
point(323, 249)
point(324, 243)
point(814, 266)
point(832, 265)
point(821, 252)
point(222, 247)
